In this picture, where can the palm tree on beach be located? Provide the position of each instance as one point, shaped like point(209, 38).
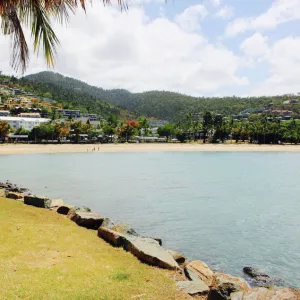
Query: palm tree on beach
point(37, 15)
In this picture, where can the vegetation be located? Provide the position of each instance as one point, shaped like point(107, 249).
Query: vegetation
point(215, 128)
point(4, 129)
point(154, 104)
point(49, 257)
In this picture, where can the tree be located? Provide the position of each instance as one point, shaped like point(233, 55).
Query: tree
point(5, 129)
point(128, 129)
point(21, 131)
point(37, 16)
point(143, 125)
point(62, 130)
point(77, 128)
point(207, 124)
point(167, 130)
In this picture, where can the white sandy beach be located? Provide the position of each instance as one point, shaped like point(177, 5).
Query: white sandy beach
point(26, 148)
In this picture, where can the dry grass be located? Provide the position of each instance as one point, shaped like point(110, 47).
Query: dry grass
point(43, 255)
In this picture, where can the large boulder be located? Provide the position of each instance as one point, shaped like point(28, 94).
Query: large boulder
point(145, 249)
point(224, 285)
point(64, 209)
point(87, 219)
point(267, 294)
point(56, 203)
point(256, 274)
point(108, 223)
point(221, 278)
point(199, 270)
point(114, 238)
point(259, 278)
point(223, 291)
point(124, 229)
point(179, 257)
point(15, 196)
point(194, 288)
point(38, 201)
point(149, 251)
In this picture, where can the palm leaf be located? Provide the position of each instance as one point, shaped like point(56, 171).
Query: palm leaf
point(36, 14)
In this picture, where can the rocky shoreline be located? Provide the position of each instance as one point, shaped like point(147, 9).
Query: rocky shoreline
point(193, 277)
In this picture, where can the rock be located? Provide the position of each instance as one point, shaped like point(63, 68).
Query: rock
point(256, 273)
point(64, 209)
point(87, 219)
point(267, 294)
point(43, 202)
point(197, 269)
point(145, 249)
point(56, 203)
point(194, 288)
point(259, 278)
point(108, 223)
point(124, 229)
point(157, 239)
point(223, 291)
point(179, 257)
point(114, 238)
point(2, 193)
point(82, 208)
point(149, 251)
point(15, 196)
point(220, 278)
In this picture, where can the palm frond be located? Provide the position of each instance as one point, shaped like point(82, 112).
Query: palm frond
point(37, 15)
point(11, 25)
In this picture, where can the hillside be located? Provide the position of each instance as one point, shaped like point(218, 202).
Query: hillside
point(70, 96)
point(159, 104)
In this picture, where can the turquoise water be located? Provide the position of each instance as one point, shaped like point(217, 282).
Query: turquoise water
point(227, 209)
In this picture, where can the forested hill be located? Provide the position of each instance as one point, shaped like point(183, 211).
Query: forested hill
point(71, 94)
point(162, 105)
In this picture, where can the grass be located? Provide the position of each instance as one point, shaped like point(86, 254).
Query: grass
point(43, 255)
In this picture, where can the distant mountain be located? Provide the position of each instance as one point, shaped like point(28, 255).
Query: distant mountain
point(158, 104)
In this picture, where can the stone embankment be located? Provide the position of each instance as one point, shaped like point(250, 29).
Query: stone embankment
point(196, 278)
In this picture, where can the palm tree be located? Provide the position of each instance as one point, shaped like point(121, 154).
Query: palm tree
point(37, 16)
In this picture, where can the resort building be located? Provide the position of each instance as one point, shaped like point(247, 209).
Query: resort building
point(29, 115)
point(25, 123)
point(66, 113)
point(4, 113)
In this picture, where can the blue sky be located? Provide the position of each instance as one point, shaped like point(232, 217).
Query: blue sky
point(196, 47)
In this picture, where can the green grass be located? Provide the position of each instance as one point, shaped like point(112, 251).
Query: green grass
point(43, 255)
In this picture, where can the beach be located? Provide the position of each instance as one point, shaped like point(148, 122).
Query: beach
point(77, 148)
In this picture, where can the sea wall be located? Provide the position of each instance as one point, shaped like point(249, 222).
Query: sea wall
point(194, 277)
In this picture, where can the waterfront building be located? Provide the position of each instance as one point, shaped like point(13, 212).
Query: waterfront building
point(25, 123)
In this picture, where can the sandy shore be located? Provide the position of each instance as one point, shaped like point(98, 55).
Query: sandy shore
point(24, 148)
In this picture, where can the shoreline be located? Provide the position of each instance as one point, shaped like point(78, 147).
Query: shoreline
point(6, 149)
point(193, 278)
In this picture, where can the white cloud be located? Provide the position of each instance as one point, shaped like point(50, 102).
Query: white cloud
point(283, 59)
point(216, 3)
point(256, 46)
point(191, 17)
point(225, 12)
point(281, 11)
point(128, 50)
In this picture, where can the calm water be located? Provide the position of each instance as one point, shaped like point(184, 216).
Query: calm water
point(227, 209)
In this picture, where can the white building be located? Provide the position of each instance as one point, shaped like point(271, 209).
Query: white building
point(25, 123)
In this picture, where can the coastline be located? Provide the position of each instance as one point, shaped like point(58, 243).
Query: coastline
point(114, 148)
point(192, 278)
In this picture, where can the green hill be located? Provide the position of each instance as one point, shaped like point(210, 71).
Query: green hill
point(158, 104)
